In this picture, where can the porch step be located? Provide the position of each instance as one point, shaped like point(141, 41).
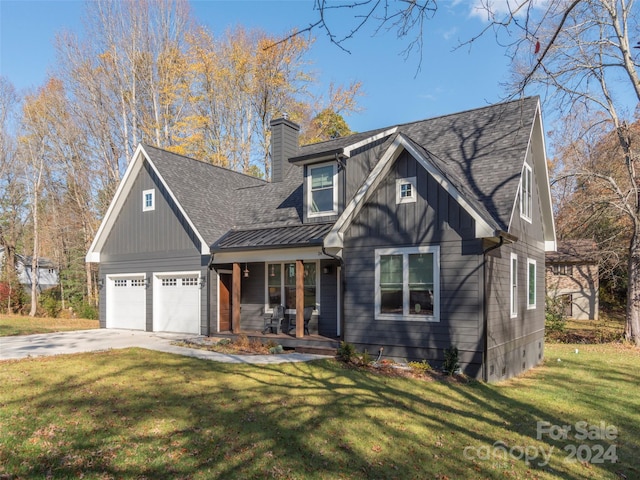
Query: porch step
point(316, 350)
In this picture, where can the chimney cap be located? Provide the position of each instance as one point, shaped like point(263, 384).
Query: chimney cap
point(282, 120)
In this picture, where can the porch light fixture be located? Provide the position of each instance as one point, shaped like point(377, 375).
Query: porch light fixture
point(100, 283)
point(203, 281)
point(246, 271)
point(326, 270)
point(272, 272)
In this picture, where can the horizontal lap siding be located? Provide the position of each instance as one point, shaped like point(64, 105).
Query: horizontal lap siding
point(434, 219)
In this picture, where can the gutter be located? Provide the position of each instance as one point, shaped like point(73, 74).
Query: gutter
point(504, 237)
point(340, 285)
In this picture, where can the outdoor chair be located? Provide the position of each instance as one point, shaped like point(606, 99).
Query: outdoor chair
point(272, 324)
point(307, 312)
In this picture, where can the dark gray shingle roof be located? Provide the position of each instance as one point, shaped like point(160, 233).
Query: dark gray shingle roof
point(574, 251)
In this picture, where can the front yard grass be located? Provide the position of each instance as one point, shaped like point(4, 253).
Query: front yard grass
point(143, 414)
point(21, 325)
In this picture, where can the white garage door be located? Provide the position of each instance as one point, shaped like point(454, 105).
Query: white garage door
point(126, 299)
point(176, 302)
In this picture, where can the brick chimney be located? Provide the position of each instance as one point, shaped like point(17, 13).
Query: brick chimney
point(284, 145)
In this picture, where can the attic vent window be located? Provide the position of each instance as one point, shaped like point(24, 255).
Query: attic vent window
point(406, 190)
point(148, 200)
point(526, 196)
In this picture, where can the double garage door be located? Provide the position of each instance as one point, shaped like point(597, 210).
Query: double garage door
point(176, 302)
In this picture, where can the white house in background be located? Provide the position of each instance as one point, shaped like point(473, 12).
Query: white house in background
point(47, 272)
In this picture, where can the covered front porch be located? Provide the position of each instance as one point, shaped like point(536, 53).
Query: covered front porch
point(248, 284)
point(312, 343)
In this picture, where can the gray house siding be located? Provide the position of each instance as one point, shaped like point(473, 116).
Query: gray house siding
point(434, 219)
point(151, 242)
point(516, 344)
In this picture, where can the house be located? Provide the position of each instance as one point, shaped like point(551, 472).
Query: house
point(413, 238)
point(46, 271)
point(572, 277)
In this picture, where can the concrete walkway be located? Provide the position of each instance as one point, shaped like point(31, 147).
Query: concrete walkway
point(14, 348)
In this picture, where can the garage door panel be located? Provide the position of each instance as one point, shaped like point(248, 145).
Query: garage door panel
point(126, 300)
point(176, 305)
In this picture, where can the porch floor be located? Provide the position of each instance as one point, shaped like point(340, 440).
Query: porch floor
point(313, 343)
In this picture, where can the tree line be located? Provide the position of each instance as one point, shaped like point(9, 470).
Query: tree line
point(147, 73)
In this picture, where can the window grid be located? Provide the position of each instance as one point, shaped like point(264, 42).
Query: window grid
point(120, 283)
point(137, 282)
point(169, 282)
point(190, 281)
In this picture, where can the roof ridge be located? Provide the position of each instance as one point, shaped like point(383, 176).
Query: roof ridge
point(146, 145)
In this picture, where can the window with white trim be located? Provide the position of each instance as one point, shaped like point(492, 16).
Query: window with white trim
point(526, 196)
point(148, 200)
point(531, 284)
point(322, 191)
point(514, 285)
point(407, 283)
point(406, 190)
point(281, 285)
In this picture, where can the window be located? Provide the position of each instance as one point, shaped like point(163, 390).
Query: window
point(514, 285)
point(190, 281)
point(406, 190)
point(148, 200)
point(120, 283)
point(322, 191)
point(526, 198)
point(169, 282)
point(407, 283)
point(281, 285)
point(563, 269)
point(137, 282)
point(531, 283)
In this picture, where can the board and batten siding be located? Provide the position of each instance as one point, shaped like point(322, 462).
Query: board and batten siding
point(434, 219)
point(155, 241)
point(516, 344)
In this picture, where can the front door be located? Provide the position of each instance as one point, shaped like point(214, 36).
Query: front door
point(225, 302)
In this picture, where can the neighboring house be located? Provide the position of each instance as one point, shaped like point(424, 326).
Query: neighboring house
point(415, 238)
point(47, 272)
point(572, 277)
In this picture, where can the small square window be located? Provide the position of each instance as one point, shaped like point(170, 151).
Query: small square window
point(406, 190)
point(148, 200)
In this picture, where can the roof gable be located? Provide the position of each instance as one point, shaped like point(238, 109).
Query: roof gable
point(202, 192)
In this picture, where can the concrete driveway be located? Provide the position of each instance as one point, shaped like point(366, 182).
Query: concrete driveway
point(15, 348)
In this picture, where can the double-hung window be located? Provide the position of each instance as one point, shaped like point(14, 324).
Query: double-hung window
point(281, 285)
point(407, 283)
point(526, 196)
point(531, 284)
point(322, 196)
point(514, 285)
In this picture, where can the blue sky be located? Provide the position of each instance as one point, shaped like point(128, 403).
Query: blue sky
point(395, 91)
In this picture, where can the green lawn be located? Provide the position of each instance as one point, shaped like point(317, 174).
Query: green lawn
point(20, 325)
point(142, 414)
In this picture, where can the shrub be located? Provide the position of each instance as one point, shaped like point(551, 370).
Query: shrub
point(50, 302)
point(365, 358)
point(275, 350)
point(451, 357)
point(346, 352)
point(555, 319)
point(420, 367)
point(11, 294)
point(86, 310)
point(242, 342)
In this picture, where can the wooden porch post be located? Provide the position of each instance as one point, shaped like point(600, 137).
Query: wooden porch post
point(299, 299)
point(235, 298)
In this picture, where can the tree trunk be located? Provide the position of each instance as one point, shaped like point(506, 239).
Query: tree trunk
point(632, 329)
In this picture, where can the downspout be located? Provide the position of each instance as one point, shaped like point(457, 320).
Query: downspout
point(485, 312)
point(340, 286)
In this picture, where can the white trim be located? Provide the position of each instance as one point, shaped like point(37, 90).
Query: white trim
point(513, 286)
point(338, 300)
point(145, 207)
point(382, 168)
point(119, 199)
point(334, 187)
point(532, 306)
point(272, 255)
point(526, 195)
point(400, 182)
point(366, 141)
point(405, 252)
